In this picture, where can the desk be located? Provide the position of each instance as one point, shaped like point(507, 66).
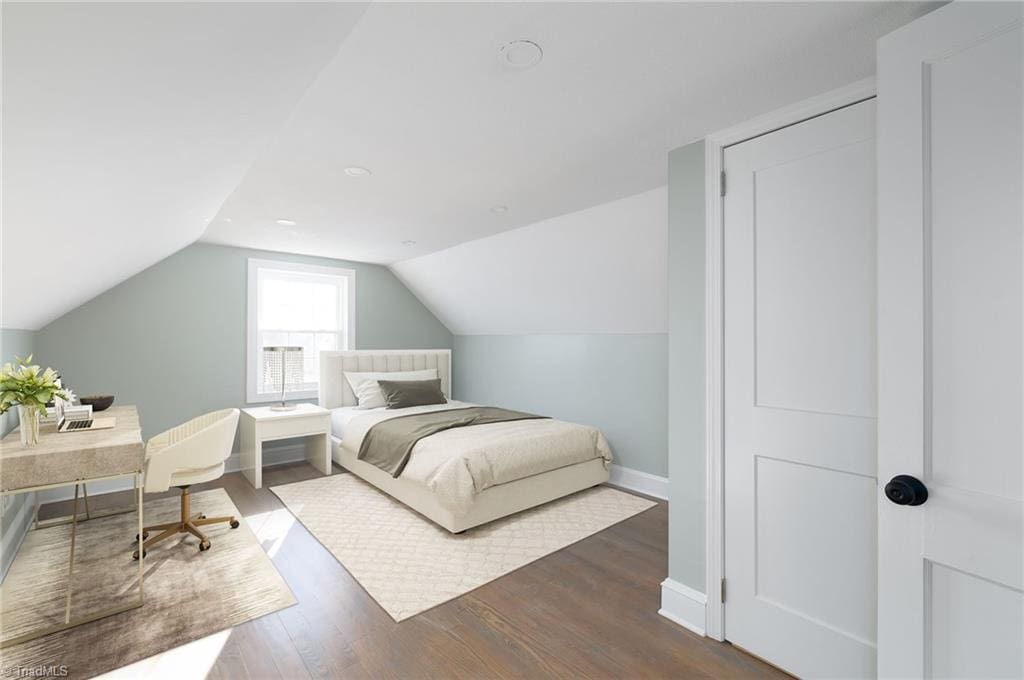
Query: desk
point(262, 424)
point(75, 458)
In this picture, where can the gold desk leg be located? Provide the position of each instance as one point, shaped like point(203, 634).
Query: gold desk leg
point(71, 559)
point(110, 512)
point(142, 553)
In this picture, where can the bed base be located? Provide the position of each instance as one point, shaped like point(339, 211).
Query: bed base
point(494, 503)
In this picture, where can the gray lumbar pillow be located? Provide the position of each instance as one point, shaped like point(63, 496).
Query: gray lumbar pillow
point(406, 393)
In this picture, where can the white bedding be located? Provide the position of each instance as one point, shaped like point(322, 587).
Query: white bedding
point(459, 463)
point(341, 417)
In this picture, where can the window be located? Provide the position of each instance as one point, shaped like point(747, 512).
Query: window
point(300, 305)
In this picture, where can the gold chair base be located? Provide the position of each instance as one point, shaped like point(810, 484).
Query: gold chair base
point(187, 524)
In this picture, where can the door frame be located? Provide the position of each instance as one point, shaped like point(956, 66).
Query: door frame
point(714, 150)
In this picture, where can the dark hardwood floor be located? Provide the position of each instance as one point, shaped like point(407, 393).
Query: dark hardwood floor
point(589, 610)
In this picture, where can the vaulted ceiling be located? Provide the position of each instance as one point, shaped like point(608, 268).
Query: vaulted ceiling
point(127, 125)
point(132, 129)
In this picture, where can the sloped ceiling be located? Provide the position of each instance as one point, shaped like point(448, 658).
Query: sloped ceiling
point(130, 127)
point(127, 125)
point(599, 270)
point(418, 96)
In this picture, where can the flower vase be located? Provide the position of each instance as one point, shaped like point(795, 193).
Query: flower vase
point(29, 425)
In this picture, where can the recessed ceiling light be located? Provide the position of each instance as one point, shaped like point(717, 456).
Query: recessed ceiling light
point(408, 242)
point(286, 223)
point(356, 171)
point(520, 54)
point(498, 209)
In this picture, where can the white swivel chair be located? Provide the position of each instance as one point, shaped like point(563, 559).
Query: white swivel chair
point(184, 455)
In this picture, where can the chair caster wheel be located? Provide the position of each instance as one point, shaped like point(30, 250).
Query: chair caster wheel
point(204, 545)
point(135, 555)
point(202, 516)
point(145, 535)
point(233, 524)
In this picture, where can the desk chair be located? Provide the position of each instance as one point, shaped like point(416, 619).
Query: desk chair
point(188, 454)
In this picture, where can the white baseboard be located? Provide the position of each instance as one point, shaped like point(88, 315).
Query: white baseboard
point(642, 482)
point(277, 456)
point(15, 534)
point(683, 605)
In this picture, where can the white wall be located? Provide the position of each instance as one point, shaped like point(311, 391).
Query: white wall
point(599, 270)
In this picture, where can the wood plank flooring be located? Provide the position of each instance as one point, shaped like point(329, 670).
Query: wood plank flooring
point(587, 611)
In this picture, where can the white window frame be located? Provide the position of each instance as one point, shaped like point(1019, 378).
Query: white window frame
point(253, 353)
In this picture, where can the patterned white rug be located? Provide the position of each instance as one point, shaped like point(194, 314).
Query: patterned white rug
point(408, 564)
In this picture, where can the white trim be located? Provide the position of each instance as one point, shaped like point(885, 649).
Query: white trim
point(252, 393)
point(10, 542)
point(715, 145)
point(293, 453)
point(683, 605)
point(714, 427)
point(639, 481)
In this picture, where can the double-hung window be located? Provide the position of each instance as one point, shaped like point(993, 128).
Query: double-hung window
point(296, 305)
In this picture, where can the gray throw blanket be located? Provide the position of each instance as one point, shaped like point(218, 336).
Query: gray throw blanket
point(389, 443)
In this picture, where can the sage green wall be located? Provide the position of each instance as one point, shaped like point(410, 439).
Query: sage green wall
point(615, 382)
point(686, 367)
point(172, 339)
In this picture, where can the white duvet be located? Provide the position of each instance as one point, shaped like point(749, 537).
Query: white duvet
point(458, 464)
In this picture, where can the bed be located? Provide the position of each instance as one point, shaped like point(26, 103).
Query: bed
point(533, 461)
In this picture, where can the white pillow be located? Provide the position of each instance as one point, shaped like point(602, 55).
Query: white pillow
point(367, 391)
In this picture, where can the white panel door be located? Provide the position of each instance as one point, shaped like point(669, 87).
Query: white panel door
point(800, 484)
point(951, 572)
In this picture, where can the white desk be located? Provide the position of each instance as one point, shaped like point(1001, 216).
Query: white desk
point(258, 425)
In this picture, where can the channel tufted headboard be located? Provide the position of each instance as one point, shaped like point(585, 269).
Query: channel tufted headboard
point(335, 390)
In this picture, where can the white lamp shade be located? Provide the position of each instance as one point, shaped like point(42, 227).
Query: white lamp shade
point(282, 368)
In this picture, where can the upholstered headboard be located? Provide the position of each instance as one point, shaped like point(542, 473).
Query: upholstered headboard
point(335, 390)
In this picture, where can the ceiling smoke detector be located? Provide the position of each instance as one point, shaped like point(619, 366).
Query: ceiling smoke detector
point(356, 171)
point(408, 242)
point(498, 209)
point(520, 54)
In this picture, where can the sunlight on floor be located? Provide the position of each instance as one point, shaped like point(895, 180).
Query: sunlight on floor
point(193, 660)
point(271, 528)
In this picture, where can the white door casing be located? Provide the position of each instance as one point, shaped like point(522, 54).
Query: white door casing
point(951, 571)
point(800, 457)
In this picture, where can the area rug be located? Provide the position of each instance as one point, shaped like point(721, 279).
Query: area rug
point(408, 564)
point(188, 594)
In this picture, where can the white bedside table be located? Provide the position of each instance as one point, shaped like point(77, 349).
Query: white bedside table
point(261, 424)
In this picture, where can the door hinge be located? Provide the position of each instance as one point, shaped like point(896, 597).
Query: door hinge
point(723, 591)
point(721, 182)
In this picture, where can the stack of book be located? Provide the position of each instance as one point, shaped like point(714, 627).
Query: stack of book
point(71, 412)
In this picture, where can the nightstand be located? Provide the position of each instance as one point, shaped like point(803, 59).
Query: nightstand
point(262, 424)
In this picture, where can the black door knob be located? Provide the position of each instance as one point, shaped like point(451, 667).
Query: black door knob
point(906, 490)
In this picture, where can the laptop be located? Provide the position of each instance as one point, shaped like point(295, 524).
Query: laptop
point(65, 425)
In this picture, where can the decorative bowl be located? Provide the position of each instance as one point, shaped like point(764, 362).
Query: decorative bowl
point(99, 403)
